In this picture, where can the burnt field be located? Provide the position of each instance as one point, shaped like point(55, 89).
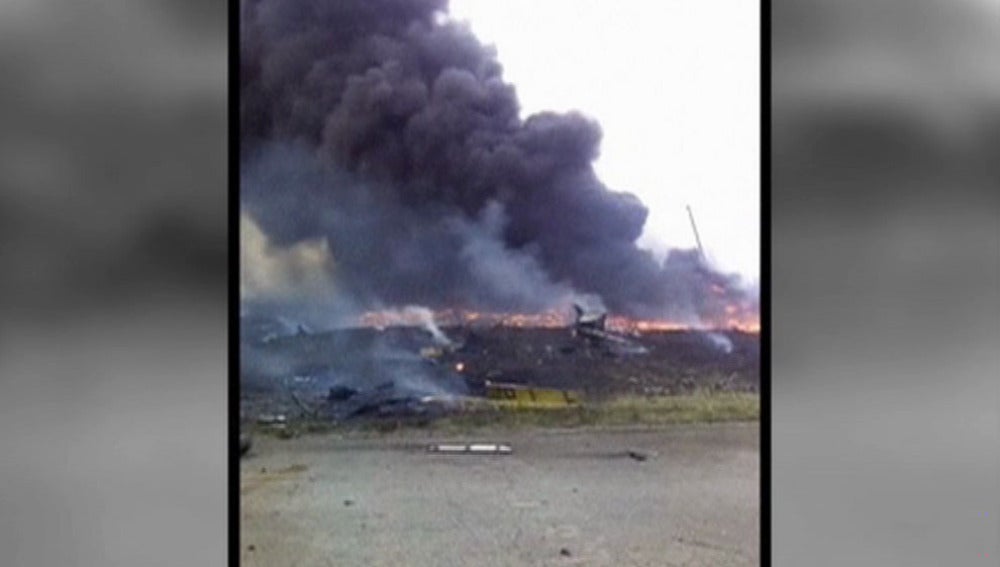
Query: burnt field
point(351, 373)
point(674, 362)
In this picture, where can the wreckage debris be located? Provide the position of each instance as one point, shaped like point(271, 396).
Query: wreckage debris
point(306, 410)
point(592, 326)
point(471, 448)
point(272, 419)
point(341, 393)
point(384, 400)
point(521, 396)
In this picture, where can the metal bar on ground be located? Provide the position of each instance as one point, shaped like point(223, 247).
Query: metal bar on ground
point(477, 448)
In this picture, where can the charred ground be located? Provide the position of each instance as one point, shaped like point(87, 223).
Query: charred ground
point(335, 373)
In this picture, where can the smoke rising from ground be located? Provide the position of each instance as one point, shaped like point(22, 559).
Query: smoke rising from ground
point(387, 129)
point(416, 315)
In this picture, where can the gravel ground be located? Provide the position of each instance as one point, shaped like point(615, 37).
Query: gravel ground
point(562, 498)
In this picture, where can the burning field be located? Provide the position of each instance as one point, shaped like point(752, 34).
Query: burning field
point(411, 242)
point(389, 369)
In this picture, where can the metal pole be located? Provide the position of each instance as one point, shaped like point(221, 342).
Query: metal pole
point(696, 237)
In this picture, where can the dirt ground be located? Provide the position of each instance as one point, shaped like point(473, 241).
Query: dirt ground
point(562, 498)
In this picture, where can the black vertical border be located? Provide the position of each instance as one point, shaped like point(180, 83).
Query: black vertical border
point(765, 282)
point(233, 358)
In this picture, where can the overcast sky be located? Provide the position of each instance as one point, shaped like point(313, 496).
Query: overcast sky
point(675, 86)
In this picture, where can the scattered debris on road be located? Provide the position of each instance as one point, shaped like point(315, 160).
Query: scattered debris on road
point(463, 448)
point(638, 455)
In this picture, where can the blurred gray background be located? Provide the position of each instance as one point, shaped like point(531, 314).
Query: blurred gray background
point(886, 282)
point(113, 334)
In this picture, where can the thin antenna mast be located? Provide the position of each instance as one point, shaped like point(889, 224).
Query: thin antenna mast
point(697, 238)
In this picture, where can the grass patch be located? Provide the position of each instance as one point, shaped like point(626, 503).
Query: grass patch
point(699, 407)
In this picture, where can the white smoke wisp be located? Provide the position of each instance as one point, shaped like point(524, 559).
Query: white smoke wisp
point(721, 342)
point(416, 316)
point(301, 271)
point(426, 319)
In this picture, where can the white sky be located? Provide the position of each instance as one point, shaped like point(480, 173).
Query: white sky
point(675, 85)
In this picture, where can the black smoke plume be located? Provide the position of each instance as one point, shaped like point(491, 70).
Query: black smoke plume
point(387, 129)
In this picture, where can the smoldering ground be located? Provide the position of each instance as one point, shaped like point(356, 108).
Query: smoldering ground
point(387, 130)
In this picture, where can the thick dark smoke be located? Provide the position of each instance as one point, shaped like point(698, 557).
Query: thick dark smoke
point(388, 130)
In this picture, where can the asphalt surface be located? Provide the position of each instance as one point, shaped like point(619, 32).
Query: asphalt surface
point(561, 498)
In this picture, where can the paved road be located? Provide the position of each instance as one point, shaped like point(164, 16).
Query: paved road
point(327, 500)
